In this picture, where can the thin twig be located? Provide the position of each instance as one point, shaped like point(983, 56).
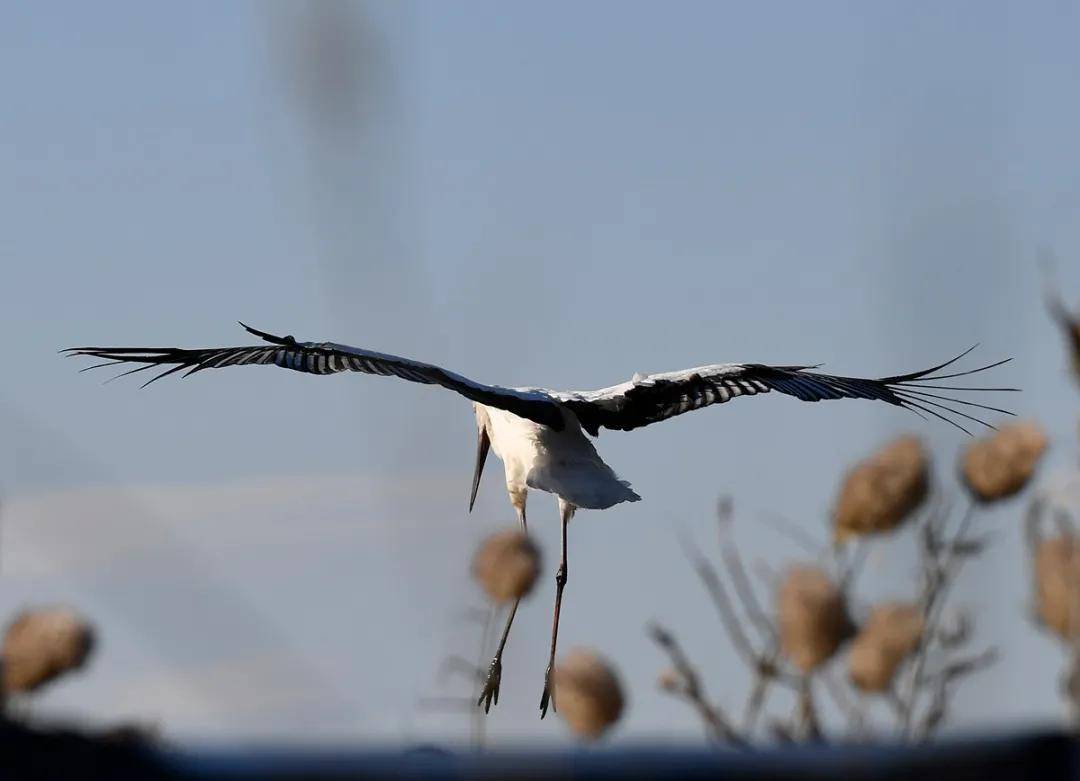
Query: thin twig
point(769, 577)
point(958, 668)
point(1063, 521)
point(944, 575)
point(782, 732)
point(714, 717)
point(785, 527)
point(764, 675)
point(806, 710)
point(754, 659)
point(479, 718)
point(1070, 682)
point(455, 664)
point(852, 712)
point(1032, 532)
point(854, 565)
point(754, 702)
point(894, 701)
point(939, 684)
point(936, 713)
point(728, 617)
point(744, 590)
point(1070, 688)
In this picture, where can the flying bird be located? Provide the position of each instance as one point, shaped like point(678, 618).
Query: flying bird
point(543, 436)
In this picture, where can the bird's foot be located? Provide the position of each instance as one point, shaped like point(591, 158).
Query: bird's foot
point(548, 695)
point(490, 693)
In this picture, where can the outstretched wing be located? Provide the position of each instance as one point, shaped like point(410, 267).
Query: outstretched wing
point(657, 397)
point(324, 358)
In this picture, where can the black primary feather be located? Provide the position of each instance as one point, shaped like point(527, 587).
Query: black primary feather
point(909, 391)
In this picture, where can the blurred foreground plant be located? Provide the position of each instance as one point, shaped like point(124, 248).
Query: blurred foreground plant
point(812, 616)
point(42, 645)
point(1055, 560)
point(892, 633)
point(588, 693)
point(1055, 566)
point(506, 565)
point(880, 492)
point(797, 647)
point(1001, 465)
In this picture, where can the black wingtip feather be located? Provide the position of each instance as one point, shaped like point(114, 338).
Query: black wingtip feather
point(971, 371)
point(907, 404)
point(911, 391)
point(98, 366)
point(951, 400)
point(165, 373)
point(950, 410)
point(130, 371)
point(924, 372)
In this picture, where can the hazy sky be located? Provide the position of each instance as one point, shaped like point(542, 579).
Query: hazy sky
point(554, 194)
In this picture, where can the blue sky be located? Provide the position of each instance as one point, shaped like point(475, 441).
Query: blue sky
point(548, 194)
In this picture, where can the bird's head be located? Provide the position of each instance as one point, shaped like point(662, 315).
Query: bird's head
point(483, 444)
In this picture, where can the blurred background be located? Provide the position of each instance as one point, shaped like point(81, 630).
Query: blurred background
point(552, 194)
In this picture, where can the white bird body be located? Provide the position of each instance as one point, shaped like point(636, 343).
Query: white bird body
point(540, 434)
point(564, 463)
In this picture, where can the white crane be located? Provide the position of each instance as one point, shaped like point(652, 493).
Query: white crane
point(540, 434)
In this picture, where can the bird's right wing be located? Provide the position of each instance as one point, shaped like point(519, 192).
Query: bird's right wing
point(651, 399)
point(325, 358)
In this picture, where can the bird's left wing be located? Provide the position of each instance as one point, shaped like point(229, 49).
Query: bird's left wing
point(324, 358)
point(657, 397)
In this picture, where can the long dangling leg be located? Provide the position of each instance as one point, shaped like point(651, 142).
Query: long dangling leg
point(490, 693)
point(566, 512)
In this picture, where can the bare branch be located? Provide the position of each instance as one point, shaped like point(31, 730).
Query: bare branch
point(854, 565)
point(939, 684)
point(459, 665)
point(1070, 688)
point(955, 633)
point(754, 703)
point(785, 527)
point(728, 617)
point(806, 712)
point(944, 566)
point(1063, 521)
point(744, 590)
point(769, 577)
point(1032, 522)
point(853, 713)
point(936, 713)
point(958, 668)
point(479, 718)
point(754, 659)
point(972, 546)
point(782, 732)
point(713, 716)
point(765, 674)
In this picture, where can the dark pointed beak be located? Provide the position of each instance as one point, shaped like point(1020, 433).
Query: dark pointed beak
point(482, 445)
